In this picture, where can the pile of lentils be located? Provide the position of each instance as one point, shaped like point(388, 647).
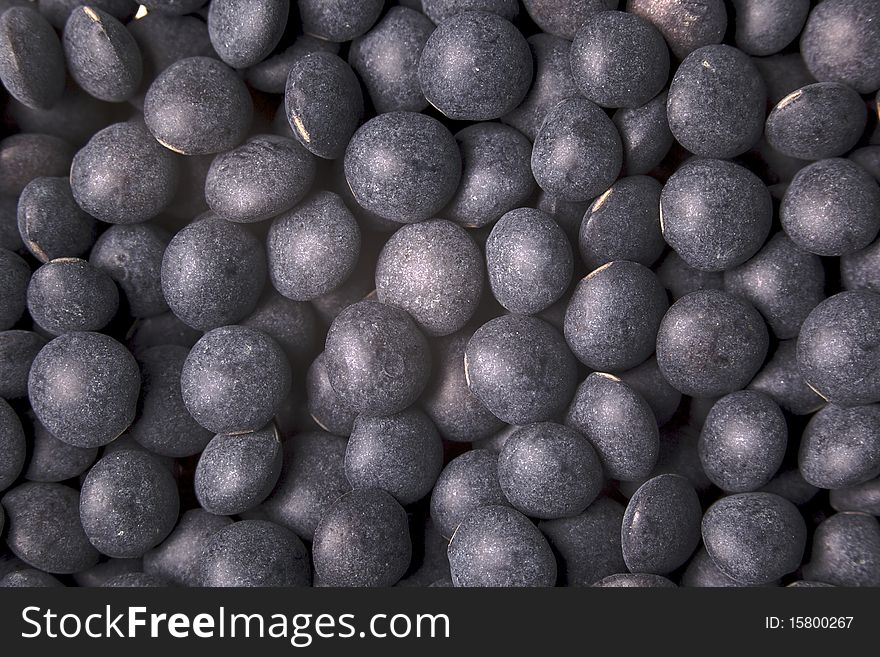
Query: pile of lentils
point(440, 293)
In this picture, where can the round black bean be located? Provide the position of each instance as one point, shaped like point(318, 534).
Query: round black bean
point(529, 261)
point(817, 121)
point(846, 551)
point(102, 56)
point(717, 102)
point(129, 503)
point(265, 176)
point(841, 42)
point(122, 176)
point(618, 423)
point(831, 208)
point(476, 66)
point(840, 446)
point(623, 224)
point(612, 320)
point(711, 343)
point(715, 214)
point(401, 454)
point(44, 528)
point(387, 60)
point(496, 174)
point(743, 441)
point(363, 540)
point(577, 153)
point(234, 379)
point(685, 26)
point(338, 20)
point(237, 472)
point(313, 248)
point(548, 470)
point(434, 271)
point(468, 482)
point(84, 388)
point(50, 222)
point(619, 59)
point(754, 538)
point(244, 32)
point(837, 349)
point(498, 546)
point(661, 525)
point(403, 166)
point(764, 27)
point(377, 359)
point(198, 105)
point(176, 559)
point(69, 294)
point(31, 59)
point(782, 281)
point(213, 273)
point(520, 368)
point(324, 103)
point(254, 553)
